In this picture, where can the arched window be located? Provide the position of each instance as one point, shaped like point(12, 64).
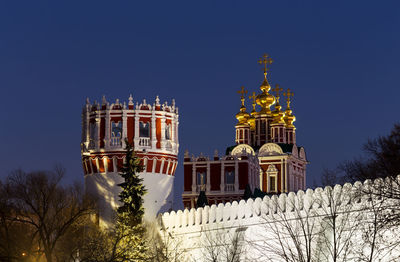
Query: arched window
point(144, 129)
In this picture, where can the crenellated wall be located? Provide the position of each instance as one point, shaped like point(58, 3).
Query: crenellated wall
point(350, 204)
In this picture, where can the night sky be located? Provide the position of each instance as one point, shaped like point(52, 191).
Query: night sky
point(341, 59)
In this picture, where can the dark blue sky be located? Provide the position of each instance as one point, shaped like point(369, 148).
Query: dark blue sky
point(341, 58)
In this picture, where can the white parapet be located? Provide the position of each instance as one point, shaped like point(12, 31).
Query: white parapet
point(263, 223)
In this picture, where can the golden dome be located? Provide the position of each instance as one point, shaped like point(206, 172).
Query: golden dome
point(242, 116)
point(265, 100)
point(278, 115)
point(289, 118)
point(252, 120)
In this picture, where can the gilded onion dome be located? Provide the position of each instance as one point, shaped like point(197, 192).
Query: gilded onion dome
point(265, 100)
point(289, 118)
point(242, 116)
point(252, 120)
point(278, 114)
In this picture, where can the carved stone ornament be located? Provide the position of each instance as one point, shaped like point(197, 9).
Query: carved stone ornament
point(270, 149)
point(242, 148)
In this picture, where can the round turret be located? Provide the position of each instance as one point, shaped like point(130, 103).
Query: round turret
point(153, 132)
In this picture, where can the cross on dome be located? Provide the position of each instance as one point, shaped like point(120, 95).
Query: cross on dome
point(266, 60)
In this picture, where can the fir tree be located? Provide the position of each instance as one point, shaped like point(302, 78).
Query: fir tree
point(247, 193)
point(130, 228)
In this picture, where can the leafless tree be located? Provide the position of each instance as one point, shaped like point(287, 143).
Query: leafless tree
point(289, 232)
point(163, 246)
point(339, 225)
point(49, 209)
point(223, 244)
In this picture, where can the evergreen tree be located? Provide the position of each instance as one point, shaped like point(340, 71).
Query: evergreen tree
point(130, 229)
point(202, 200)
point(247, 193)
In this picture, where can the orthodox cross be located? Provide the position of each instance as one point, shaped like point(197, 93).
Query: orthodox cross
point(277, 90)
point(254, 100)
point(242, 92)
point(288, 94)
point(266, 60)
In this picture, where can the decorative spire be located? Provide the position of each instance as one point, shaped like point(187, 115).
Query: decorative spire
point(87, 101)
point(242, 92)
point(103, 100)
point(288, 94)
point(266, 60)
point(277, 113)
point(252, 120)
point(130, 100)
point(242, 116)
point(277, 89)
point(157, 101)
point(289, 118)
point(254, 101)
point(265, 100)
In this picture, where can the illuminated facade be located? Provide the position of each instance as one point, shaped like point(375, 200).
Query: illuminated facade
point(153, 131)
point(266, 136)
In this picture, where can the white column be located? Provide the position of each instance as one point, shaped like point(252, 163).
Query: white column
point(107, 130)
point(124, 128)
point(222, 186)
point(153, 131)
point(194, 177)
point(162, 143)
point(236, 175)
point(176, 136)
point(136, 136)
point(97, 138)
point(173, 134)
point(87, 124)
point(208, 186)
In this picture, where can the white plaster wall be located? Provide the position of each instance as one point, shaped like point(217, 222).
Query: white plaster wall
point(259, 220)
point(105, 188)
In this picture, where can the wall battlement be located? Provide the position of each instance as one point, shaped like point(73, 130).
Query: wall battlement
point(244, 211)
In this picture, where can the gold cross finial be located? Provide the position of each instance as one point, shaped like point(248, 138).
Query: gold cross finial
point(277, 90)
point(288, 94)
point(254, 100)
point(242, 92)
point(266, 60)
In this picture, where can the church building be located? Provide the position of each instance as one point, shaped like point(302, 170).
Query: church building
point(266, 156)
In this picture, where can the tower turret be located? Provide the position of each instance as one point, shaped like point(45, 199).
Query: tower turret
point(242, 127)
point(153, 131)
point(278, 123)
point(289, 119)
point(265, 100)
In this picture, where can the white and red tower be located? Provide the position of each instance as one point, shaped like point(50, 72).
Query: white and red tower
point(153, 131)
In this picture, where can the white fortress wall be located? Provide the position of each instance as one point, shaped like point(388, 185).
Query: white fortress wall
point(261, 224)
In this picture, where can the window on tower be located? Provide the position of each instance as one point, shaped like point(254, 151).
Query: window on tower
point(168, 132)
point(201, 181)
point(229, 180)
point(116, 133)
point(272, 183)
point(93, 134)
point(144, 129)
